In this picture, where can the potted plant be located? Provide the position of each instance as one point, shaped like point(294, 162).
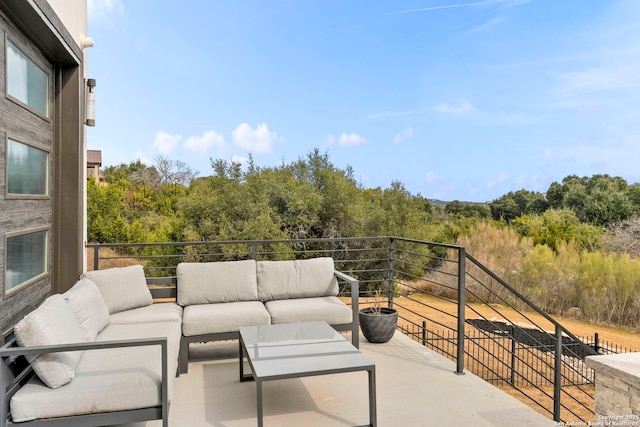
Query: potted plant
point(378, 323)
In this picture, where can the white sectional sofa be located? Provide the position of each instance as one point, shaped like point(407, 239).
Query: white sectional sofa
point(220, 297)
point(118, 362)
point(104, 353)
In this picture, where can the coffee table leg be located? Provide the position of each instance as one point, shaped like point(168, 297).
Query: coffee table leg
point(243, 354)
point(259, 401)
point(373, 419)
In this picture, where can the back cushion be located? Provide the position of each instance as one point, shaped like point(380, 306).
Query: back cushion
point(296, 279)
point(214, 282)
point(50, 324)
point(122, 288)
point(88, 307)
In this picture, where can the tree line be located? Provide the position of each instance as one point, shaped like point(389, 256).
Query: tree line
point(589, 223)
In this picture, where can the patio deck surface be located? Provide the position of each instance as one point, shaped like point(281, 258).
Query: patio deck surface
point(415, 387)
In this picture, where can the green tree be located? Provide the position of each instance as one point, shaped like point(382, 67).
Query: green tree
point(514, 204)
point(558, 227)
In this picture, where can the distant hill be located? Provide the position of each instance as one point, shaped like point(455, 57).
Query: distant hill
point(443, 203)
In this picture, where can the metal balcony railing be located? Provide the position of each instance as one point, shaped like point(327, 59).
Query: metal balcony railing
point(446, 299)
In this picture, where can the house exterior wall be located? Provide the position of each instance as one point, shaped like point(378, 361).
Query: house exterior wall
point(48, 33)
point(73, 14)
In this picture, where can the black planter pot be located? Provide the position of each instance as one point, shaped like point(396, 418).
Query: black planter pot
point(378, 327)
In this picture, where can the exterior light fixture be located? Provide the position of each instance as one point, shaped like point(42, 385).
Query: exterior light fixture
point(91, 103)
point(86, 41)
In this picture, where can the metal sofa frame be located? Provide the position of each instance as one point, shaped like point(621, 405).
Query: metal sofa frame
point(15, 371)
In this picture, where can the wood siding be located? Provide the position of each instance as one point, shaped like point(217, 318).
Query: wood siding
point(17, 213)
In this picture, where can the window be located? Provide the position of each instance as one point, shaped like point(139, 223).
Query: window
point(26, 81)
point(26, 258)
point(27, 169)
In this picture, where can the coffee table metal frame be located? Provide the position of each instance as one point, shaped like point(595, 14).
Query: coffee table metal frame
point(300, 350)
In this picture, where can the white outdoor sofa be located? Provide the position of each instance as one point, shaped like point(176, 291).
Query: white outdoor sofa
point(103, 353)
point(220, 297)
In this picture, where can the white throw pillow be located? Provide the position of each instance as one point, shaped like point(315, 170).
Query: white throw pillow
point(122, 288)
point(88, 307)
point(50, 324)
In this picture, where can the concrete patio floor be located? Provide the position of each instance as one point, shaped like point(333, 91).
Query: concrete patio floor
point(415, 387)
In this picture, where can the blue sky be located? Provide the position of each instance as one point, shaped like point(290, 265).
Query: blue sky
point(456, 99)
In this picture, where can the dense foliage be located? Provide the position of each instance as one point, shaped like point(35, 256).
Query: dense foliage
point(574, 246)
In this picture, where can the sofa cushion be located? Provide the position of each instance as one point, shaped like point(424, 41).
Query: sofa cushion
point(88, 307)
point(330, 309)
point(50, 324)
point(216, 282)
point(296, 279)
point(224, 317)
point(122, 288)
point(107, 380)
point(156, 312)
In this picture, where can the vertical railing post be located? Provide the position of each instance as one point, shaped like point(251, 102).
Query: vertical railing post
point(461, 306)
point(513, 355)
point(424, 333)
point(557, 382)
point(596, 342)
point(96, 257)
point(254, 251)
point(391, 272)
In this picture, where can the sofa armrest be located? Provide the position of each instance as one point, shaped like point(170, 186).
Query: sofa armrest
point(355, 295)
point(9, 384)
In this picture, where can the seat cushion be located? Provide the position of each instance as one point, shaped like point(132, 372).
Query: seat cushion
point(330, 309)
point(225, 317)
point(88, 307)
point(50, 324)
point(122, 288)
point(156, 312)
point(296, 279)
point(106, 380)
point(215, 282)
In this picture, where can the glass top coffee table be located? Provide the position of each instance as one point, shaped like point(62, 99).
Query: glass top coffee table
point(294, 350)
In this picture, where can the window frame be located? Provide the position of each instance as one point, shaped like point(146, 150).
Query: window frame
point(37, 63)
point(37, 146)
point(6, 293)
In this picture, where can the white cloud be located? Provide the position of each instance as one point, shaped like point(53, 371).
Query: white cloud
point(104, 9)
point(166, 143)
point(433, 177)
point(260, 140)
point(351, 139)
point(404, 135)
point(142, 156)
point(501, 179)
point(329, 141)
point(462, 108)
point(387, 114)
point(451, 6)
point(202, 144)
point(240, 159)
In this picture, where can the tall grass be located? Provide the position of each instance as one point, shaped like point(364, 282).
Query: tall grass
point(598, 287)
